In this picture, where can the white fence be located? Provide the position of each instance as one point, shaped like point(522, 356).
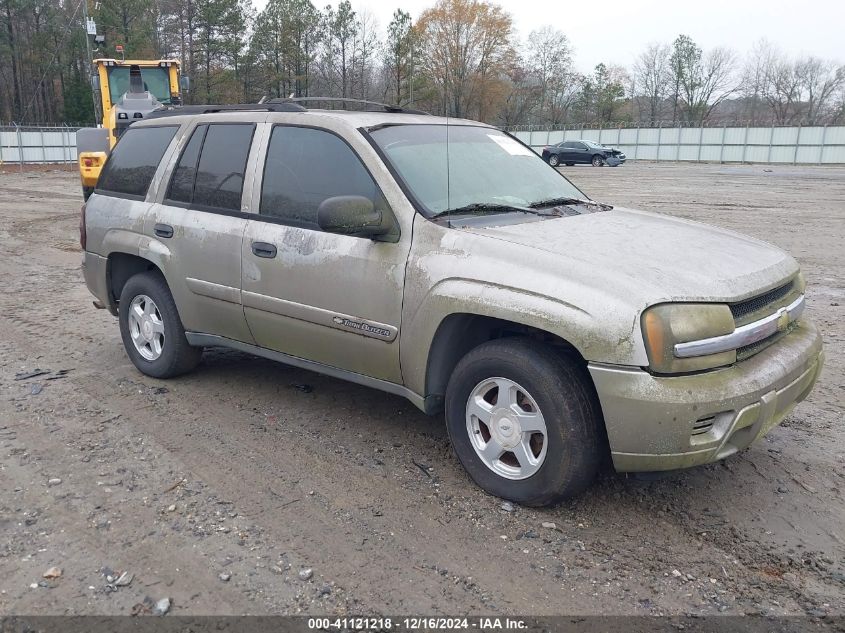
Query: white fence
point(25, 144)
point(792, 145)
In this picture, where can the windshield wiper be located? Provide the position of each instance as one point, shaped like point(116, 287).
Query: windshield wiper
point(560, 202)
point(480, 208)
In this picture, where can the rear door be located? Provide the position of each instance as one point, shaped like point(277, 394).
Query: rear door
point(334, 299)
point(200, 220)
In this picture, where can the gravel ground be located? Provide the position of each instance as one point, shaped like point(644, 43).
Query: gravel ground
point(219, 489)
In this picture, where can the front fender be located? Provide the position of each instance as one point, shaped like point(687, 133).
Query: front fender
point(587, 334)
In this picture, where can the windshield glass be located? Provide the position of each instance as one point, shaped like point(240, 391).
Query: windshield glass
point(155, 81)
point(592, 144)
point(484, 166)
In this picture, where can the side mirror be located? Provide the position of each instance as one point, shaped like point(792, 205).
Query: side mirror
point(352, 215)
point(95, 82)
point(185, 83)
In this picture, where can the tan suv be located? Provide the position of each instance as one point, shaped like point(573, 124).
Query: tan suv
point(445, 261)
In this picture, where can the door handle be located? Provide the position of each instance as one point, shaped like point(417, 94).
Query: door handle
point(163, 230)
point(263, 249)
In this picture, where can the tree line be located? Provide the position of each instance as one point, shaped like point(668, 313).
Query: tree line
point(460, 57)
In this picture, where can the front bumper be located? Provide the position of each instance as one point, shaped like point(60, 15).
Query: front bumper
point(665, 423)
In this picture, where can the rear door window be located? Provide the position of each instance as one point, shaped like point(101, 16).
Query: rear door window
point(210, 172)
point(220, 172)
point(133, 162)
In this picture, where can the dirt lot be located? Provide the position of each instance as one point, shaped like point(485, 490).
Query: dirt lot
point(255, 471)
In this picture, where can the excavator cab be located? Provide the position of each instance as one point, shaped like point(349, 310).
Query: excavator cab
point(129, 90)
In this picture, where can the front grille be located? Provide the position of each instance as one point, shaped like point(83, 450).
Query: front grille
point(749, 306)
point(749, 350)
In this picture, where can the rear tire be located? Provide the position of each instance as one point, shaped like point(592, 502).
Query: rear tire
point(598, 161)
point(543, 389)
point(554, 160)
point(151, 329)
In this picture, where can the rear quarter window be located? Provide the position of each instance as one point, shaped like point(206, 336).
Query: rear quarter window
point(134, 160)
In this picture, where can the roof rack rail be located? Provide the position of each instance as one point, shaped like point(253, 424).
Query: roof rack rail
point(236, 107)
point(383, 106)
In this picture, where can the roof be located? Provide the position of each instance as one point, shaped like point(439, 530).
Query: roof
point(137, 62)
point(289, 110)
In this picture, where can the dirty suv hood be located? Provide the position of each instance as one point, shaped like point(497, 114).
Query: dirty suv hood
point(660, 257)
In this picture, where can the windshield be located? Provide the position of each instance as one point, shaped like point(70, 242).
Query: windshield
point(155, 81)
point(483, 166)
point(592, 144)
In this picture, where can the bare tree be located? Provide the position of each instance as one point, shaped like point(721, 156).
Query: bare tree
point(782, 88)
point(549, 58)
point(818, 81)
point(524, 95)
point(701, 80)
point(366, 45)
point(652, 73)
point(753, 81)
point(838, 115)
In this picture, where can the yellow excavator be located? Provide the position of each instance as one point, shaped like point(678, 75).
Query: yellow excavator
point(129, 89)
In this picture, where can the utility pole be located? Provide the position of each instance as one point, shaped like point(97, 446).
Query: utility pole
point(89, 60)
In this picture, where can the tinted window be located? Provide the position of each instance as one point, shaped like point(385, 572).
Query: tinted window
point(182, 182)
point(134, 160)
point(304, 167)
point(220, 175)
point(579, 146)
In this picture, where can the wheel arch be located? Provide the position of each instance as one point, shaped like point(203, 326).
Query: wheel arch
point(459, 333)
point(120, 267)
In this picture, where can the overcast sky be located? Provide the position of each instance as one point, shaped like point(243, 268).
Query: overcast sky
point(615, 31)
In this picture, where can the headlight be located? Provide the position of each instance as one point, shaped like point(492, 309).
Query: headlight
point(671, 323)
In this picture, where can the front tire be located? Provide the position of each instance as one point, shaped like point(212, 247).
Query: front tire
point(598, 161)
point(554, 160)
point(151, 329)
point(524, 421)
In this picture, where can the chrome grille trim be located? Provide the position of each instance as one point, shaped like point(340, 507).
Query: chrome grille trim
point(743, 335)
